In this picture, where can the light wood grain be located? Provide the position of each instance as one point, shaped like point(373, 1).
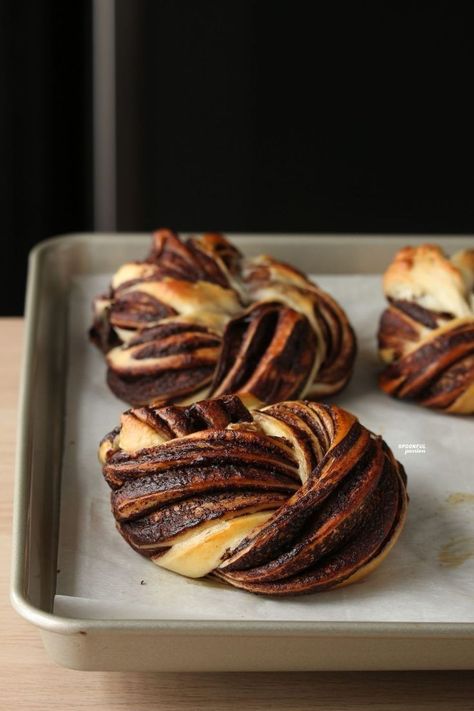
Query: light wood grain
point(29, 680)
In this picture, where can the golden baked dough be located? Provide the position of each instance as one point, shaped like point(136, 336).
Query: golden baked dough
point(426, 334)
point(196, 320)
point(291, 498)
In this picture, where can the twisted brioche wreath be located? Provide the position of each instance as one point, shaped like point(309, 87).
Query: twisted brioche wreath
point(426, 334)
point(198, 320)
point(292, 498)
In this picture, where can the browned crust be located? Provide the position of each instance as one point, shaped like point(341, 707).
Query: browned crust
point(292, 340)
point(430, 352)
point(337, 367)
point(216, 462)
point(269, 351)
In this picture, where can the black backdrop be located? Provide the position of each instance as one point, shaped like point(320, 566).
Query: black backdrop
point(240, 116)
point(45, 131)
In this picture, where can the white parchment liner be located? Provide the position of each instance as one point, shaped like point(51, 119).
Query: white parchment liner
point(428, 577)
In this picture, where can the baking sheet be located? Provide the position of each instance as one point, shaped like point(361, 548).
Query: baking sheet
point(428, 577)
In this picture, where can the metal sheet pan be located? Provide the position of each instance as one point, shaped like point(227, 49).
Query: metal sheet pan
point(180, 645)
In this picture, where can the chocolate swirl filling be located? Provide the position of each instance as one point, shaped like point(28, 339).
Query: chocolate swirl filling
point(287, 499)
point(427, 338)
point(196, 320)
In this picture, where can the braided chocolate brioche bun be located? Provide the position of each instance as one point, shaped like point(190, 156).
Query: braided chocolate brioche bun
point(291, 498)
point(426, 334)
point(198, 320)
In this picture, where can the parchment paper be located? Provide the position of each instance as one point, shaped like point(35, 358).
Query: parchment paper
point(429, 576)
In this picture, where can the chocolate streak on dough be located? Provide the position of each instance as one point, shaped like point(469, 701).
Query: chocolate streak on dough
point(320, 534)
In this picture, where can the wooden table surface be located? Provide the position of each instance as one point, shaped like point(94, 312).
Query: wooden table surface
point(29, 680)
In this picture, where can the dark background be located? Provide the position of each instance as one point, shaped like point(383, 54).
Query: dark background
point(239, 116)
